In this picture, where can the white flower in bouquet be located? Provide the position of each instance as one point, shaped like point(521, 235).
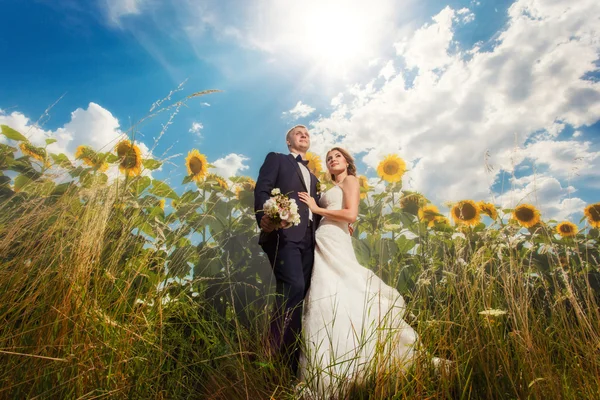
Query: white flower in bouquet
point(281, 208)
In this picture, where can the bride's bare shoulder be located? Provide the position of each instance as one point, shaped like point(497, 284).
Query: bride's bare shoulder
point(351, 181)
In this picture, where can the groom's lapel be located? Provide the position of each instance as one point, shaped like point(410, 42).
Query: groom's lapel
point(297, 167)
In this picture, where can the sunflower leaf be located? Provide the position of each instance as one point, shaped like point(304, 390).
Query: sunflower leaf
point(140, 185)
point(187, 179)
point(161, 189)
point(594, 233)
point(151, 164)
point(12, 134)
point(62, 160)
point(111, 158)
point(21, 181)
point(50, 141)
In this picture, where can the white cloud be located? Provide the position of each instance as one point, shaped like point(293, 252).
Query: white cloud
point(546, 193)
point(428, 48)
point(94, 126)
point(230, 165)
point(388, 71)
point(196, 128)
point(117, 9)
point(512, 101)
point(300, 110)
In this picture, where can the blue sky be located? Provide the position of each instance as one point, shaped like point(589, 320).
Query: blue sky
point(449, 86)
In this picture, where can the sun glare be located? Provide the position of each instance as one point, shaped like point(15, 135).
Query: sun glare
point(334, 35)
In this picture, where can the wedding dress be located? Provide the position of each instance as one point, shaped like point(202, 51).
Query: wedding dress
point(352, 323)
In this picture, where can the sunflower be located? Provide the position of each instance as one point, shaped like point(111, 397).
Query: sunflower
point(429, 213)
point(89, 157)
point(411, 202)
point(526, 215)
point(391, 168)
point(466, 212)
point(566, 229)
point(314, 163)
point(364, 186)
point(130, 158)
point(32, 151)
point(222, 183)
point(197, 166)
point(161, 204)
point(592, 212)
point(246, 184)
point(441, 220)
point(488, 209)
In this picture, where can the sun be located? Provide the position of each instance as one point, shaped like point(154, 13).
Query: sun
point(333, 34)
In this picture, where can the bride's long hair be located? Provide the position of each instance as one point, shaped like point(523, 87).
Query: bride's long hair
point(349, 160)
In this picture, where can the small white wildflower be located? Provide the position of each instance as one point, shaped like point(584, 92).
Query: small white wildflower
point(275, 192)
point(322, 187)
point(492, 313)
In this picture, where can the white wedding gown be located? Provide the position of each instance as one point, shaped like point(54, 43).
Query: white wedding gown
point(352, 323)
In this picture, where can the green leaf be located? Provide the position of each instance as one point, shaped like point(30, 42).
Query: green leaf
point(161, 189)
point(179, 259)
point(404, 244)
point(61, 189)
point(50, 141)
point(23, 166)
point(187, 179)
point(594, 233)
point(362, 251)
point(62, 160)
point(151, 164)
point(139, 185)
point(111, 158)
point(12, 134)
point(147, 229)
point(21, 181)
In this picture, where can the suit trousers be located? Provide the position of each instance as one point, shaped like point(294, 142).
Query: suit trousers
point(292, 264)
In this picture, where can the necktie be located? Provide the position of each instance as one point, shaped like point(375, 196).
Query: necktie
point(300, 160)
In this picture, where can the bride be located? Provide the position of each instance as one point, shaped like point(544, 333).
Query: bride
point(352, 323)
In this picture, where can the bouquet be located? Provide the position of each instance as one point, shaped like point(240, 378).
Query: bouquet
point(281, 208)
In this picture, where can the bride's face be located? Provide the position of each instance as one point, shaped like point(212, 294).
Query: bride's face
point(336, 162)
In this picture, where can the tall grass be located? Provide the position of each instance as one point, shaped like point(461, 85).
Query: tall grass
point(103, 294)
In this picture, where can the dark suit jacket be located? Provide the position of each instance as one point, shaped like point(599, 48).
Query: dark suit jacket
point(282, 171)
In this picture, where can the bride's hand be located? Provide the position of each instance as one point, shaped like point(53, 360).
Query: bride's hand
point(309, 201)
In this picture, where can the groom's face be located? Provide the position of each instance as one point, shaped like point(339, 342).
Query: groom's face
point(299, 139)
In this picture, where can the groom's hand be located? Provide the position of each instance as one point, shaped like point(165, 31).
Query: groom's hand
point(267, 224)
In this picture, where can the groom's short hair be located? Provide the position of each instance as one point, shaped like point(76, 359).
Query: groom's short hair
point(287, 135)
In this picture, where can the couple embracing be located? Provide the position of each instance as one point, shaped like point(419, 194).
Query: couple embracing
point(334, 321)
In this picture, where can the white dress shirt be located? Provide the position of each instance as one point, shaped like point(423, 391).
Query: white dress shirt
point(306, 176)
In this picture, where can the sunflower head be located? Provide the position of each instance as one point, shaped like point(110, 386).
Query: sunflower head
point(411, 202)
point(218, 180)
point(91, 158)
point(244, 191)
point(488, 209)
point(391, 168)
point(314, 163)
point(32, 151)
point(592, 213)
point(466, 212)
point(197, 166)
point(566, 229)
point(130, 158)
point(429, 214)
point(364, 186)
point(161, 204)
point(526, 215)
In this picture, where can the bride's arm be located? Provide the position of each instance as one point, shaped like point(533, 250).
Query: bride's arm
point(349, 211)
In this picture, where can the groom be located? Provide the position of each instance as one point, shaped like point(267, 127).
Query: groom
point(290, 248)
